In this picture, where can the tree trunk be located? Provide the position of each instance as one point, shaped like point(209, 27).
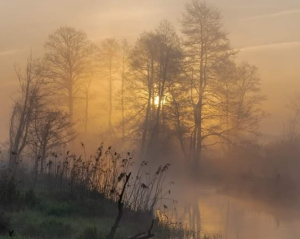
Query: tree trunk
point(71, 102)
point(110, 101)
point(86, 113)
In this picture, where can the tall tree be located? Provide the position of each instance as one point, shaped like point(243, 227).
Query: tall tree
point(87, 98)
point(249, 99)
point(291, 126)
point(109, 59)
point(142, 84)
point(50, 129)
point(179, 113)
point(31, 84)
point(125, 50)
point(68, 57)
point(168, 63)
point(206, 46)
point(154, 65)
point(237, 89)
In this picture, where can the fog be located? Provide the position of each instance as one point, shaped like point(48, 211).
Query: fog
point(266, 31)
point(100, 96)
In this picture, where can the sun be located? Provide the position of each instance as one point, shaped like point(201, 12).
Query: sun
point(156, 101)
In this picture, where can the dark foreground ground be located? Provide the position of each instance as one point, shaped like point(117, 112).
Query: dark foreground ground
point(55, 214)
point(61, 215)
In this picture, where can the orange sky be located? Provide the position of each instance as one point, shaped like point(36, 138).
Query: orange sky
point(266, 31)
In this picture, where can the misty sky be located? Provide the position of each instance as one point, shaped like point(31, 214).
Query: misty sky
point(266, 31)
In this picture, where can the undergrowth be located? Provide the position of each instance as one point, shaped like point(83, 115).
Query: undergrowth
point(75, 197)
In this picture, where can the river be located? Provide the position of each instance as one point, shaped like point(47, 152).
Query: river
point(204, 208)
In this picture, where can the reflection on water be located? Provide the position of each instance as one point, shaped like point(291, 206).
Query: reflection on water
point(210, 212)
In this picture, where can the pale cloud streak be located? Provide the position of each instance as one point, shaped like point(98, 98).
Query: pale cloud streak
point(271, 46)
point(10, 52)
point(272, 15)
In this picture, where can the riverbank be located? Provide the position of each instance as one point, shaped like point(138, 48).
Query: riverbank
point(52, 215)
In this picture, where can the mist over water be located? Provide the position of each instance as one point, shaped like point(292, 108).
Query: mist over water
point(236, 217)
point(175, 119)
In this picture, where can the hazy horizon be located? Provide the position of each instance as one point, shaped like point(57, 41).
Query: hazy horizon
point(265, 32)
point(188, 129)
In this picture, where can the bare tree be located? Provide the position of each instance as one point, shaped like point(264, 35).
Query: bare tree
point(179, 113)
point(23, 111)
point(109, 57)
point(249, 99)
point(125, 50)
point(51, 130)
point(206, 47)
point(88, 96)
point(168, 62)
point(141, 84)
point(239, 99)
point(68, 58)
point(291, 127)
point(154, 64)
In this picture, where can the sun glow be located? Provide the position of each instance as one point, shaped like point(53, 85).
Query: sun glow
point(156, 101)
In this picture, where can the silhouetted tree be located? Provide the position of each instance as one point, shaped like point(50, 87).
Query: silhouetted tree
point(154, 65)
point(109, 63)
point(23, 111)
point(125, 50)
point(87, 98)
point(179, 113)
point(239, 100)
point(206, 46)
point(51, 129)
point(68, 57)
point(168, 69)
point(291, 127)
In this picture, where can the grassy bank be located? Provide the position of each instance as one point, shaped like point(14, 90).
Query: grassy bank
point(79, 198)
point(61, 215)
